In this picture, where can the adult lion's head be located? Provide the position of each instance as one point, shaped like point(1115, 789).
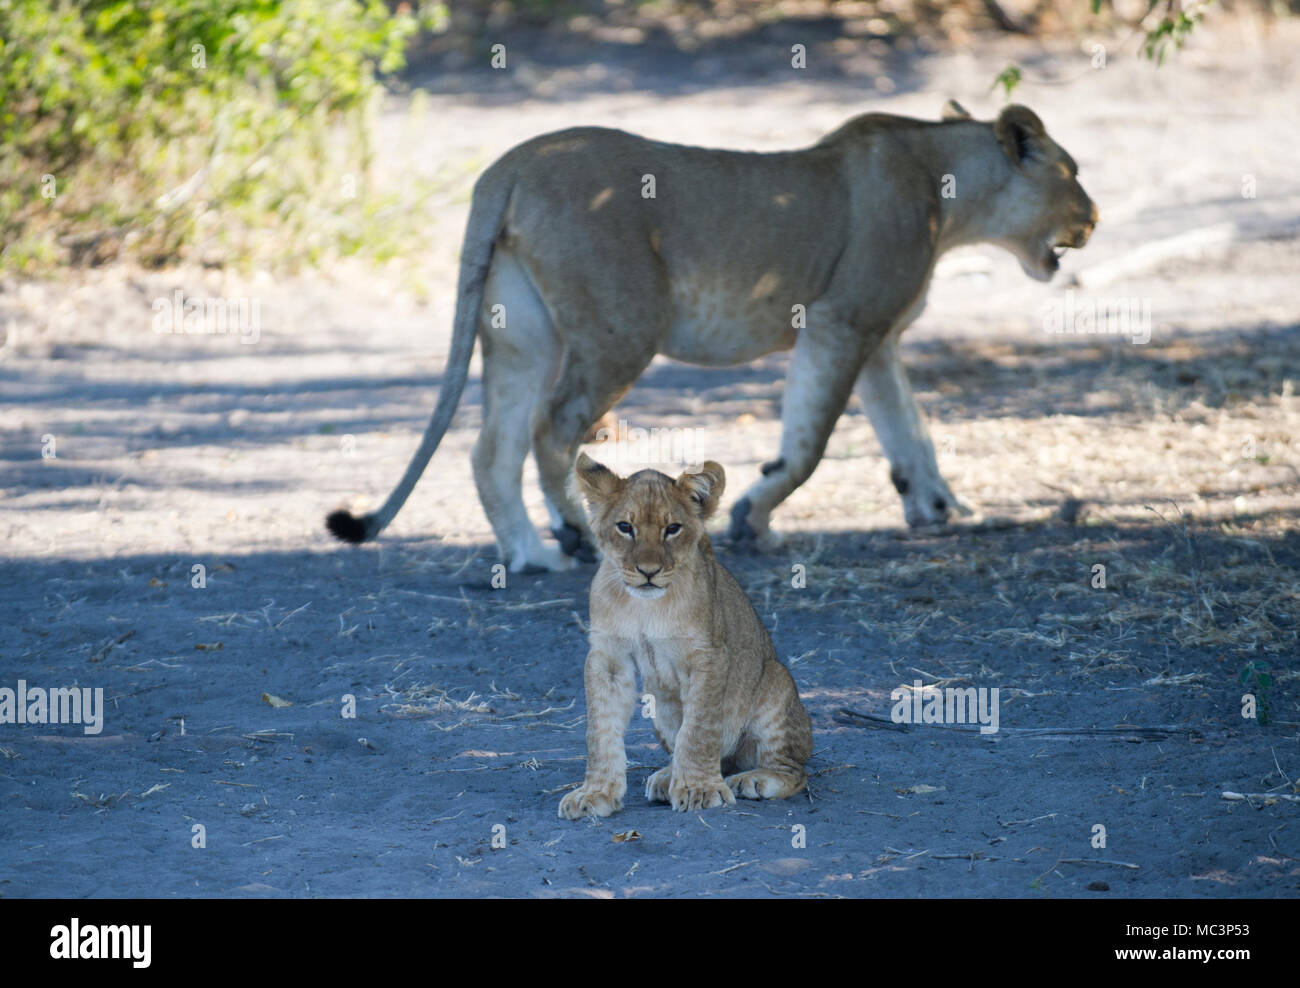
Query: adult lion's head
point(1043, 208)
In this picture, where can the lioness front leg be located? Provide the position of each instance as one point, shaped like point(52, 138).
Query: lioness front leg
point(883, 389)
point(817, 388)
point(695, 777)
point(611, 692)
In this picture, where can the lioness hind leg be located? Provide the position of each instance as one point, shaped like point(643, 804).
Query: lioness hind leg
point(518, 364)
point(555, 453)
point(589, 385)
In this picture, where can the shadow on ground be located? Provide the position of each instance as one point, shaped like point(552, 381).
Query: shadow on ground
point(559, 63)
point(963, 380)
point(469, 724)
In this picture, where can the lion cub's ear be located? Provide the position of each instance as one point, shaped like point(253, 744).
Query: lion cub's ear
point(595, 480)
point(952, 110)
point(1017, 129)
point(705, 486)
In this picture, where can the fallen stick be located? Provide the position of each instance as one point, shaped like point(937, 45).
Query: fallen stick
point(854, 718)
point(1235, 796)
point(108, 646)
point(972, 856)
point(1013, 823)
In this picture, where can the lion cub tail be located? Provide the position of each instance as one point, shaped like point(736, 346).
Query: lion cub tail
point(486, 217)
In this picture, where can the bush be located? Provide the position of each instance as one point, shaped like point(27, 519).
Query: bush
point(125, 125)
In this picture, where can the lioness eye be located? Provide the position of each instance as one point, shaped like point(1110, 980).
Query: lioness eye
point(624, 527)
point(673, 529)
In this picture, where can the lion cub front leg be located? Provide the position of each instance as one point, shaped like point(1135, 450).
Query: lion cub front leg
point(667, 722)
point(695, 778)
point(611, 692)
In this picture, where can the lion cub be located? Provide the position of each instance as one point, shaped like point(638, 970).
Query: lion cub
point(661, 604)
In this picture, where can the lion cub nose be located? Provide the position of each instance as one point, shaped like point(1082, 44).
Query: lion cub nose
point(647, 573)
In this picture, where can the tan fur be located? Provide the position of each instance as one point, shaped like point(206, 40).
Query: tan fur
point(725, 708)
point(591, 277)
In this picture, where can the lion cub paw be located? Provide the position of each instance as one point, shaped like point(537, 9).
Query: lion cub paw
point(656, 787)
point(763, 783)
point(699, 794)
point(585, 801)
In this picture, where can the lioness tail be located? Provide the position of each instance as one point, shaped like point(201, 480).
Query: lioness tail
point(486, 217)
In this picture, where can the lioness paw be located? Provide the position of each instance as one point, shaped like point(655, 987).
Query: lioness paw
point(584, 802)
point(699, 794)
point(574, 542)
point(740, 530)
point(927, 499)
point(541, 560)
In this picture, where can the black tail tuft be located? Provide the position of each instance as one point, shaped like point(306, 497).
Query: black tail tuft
point(348, 527)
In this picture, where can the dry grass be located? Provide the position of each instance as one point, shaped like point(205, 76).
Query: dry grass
point(1173, 465)
point(430, 700)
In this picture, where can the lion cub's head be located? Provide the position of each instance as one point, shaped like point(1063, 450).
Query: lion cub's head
point(648, 525)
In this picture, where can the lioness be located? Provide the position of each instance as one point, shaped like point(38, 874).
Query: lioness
point(663, 605)
point(590, 251)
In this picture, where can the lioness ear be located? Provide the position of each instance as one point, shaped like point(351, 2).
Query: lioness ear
point(595, 480)
point(1017, 128)
point(952, 110)
point(705, 486)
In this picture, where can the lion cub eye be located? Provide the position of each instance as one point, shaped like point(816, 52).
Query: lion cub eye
point(673, 529)
point(624, 527)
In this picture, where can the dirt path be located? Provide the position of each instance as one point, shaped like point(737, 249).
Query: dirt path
point(1172, 463)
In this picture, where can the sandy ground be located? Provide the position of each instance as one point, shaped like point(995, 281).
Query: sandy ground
point(1172, 463)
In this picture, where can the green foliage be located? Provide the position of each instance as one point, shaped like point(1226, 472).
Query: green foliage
point(1008, 79)
point(127, 124)
point(1174, 28)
